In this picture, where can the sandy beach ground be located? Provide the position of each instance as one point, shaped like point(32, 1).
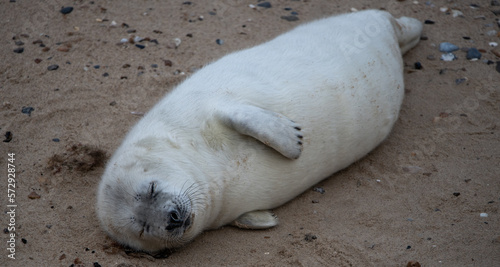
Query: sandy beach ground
point(429, 194)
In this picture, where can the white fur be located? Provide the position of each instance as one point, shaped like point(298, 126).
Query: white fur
point(339, 78)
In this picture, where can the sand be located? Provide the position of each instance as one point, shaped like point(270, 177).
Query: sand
point(416, 198)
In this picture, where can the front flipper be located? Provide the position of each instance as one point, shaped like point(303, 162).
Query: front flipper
point(271, 128)
point(259, 219)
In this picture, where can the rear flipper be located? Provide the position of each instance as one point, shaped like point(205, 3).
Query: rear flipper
point(408, 31)
point(259, 219)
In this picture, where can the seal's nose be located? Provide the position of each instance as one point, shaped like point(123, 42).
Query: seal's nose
point(174, 220)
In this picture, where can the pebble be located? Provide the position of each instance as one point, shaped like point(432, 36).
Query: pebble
point(168, 63)
point(19, 43)
point(8, 136)
point(27, 110)
point(448, 57)
point(33, 195)
point(456, 194)
point(447, 47)
point(473, 53)
point(154, 66)
point(265, 5)
point(177, 42)
point(97, 66)
point(491, 33)
point(493, 44)
point(56, 140)
point(19, 50)
point(483, 215)
point(140, 46)
point(497, 68)
point(428, 21)
point(219, 41)
point(319, 190)
point(418, 65)
point(290, 18)
point(461, 80)
point(105, 74)
point(66, 10)
point(53, 67)
point(456, 13)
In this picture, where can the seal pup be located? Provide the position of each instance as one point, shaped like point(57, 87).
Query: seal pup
point(256, 128)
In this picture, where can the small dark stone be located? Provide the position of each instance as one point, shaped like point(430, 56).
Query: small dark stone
point(140, 46)
point(19, 50)
point(37, 60)
point(287, 8)
point(294, 13)
point(418, 65)
point(489, 62)
point(113, 103)
point(190, 35)
point(24, 240)
point(424, 38)
point(97, 66)
point(56, 140)
point(473, 53)
point(154, 66)
point(12, 1)
point(66, 10)
point(187, 3)
point(265, 5)
point(8, 137)
point(125, 25)
point(168, 63)
point(466, 37)
point(154, 41)
point(27, 110)
point(53, 67)
point(310, 237)
point(19, 43)
point(428, 21)
point(5, 230)
point(497, 68)
point(131, 31)
point(461, 80)
point(408, 247)
point(157, 31)
point(96, 264)
point(290, 18)
point(105, 74)
point(456, 194)
point(212, 13)
point(219, 41)
point(126, 66)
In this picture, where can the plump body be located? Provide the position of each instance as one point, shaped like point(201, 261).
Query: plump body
point(256, 128)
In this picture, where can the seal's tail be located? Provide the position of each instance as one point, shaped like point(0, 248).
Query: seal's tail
point(408, 31)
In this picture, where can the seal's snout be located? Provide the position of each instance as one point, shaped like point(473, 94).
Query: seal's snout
point(174, 220)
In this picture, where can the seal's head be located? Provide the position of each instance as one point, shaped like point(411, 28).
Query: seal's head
point(148, 215)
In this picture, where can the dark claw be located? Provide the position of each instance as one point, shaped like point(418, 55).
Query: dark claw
point(300, 136)
point(297, 128)
point(300, 143)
